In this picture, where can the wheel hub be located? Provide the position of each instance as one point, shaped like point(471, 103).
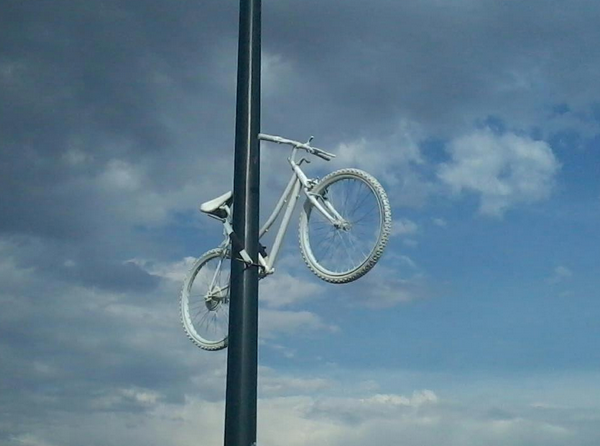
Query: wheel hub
point(343, 225)
point(213, 300)
point(212, 303)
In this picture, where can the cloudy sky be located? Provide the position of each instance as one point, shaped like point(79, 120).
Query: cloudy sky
point(478, 327)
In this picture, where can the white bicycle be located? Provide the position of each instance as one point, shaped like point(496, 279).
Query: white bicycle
point(344, 227)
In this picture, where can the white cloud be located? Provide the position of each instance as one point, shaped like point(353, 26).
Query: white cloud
point(317, 410)
point(75, 157)
point(560, 274)
point(439, 222)
point(382, 157)
point(282, 289)
point(404, 227)
point(418, 398)
point(503, 169)
point(302, 420)
point(121, 176)
point(277, 73)
point(396, 279)
point(284, 350)
point(30, 440)
point(174, 271)
point(273, 322)
point(127, 396)
point(130, 192)
point(391, 159)
point(272, 383)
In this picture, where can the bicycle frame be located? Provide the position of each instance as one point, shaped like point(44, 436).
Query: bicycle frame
point(288, 200)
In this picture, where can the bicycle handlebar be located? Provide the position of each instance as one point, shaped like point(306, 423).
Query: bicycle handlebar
point(296, 144)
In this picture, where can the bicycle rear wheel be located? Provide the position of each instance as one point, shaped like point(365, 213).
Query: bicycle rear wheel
point(345, 252)
point(205, 300)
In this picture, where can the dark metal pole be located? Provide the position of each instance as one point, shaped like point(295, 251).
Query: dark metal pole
point(242, 356)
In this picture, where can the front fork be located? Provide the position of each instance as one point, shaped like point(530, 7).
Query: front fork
point(327, 210)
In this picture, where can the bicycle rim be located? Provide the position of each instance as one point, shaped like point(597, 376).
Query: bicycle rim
point(339, 251)
point(207, 303)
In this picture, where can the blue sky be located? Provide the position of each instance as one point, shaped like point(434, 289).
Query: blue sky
point(479, 326)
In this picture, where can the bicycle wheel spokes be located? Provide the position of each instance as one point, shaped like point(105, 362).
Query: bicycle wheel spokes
point(208, 302)
point(344, 247)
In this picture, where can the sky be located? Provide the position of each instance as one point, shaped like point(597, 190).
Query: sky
point(479, 325)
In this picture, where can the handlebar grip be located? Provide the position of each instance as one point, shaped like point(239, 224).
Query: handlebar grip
point(324, 155)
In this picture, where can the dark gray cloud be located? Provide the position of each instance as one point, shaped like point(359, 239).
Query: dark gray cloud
point(151, 85)
point(442, 65)
point(82, 86)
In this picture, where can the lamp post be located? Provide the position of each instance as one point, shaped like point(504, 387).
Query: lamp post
point(242, 355)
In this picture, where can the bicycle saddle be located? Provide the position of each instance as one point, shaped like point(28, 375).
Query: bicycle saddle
point(212, 205)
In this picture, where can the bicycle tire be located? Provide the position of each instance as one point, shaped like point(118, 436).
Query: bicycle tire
point(330, 189)
point(201, 304)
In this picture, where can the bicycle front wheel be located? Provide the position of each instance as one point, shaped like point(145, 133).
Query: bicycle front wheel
point(205, 300)
point(343, 252)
